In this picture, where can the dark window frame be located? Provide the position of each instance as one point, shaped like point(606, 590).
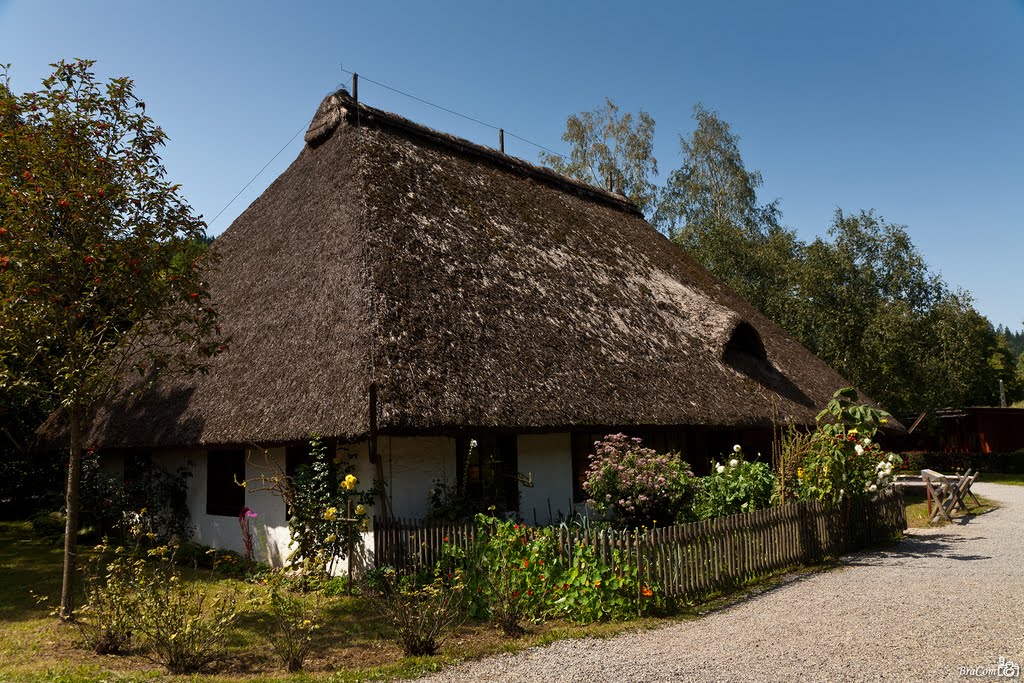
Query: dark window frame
point(225, 469)
point(491, 476)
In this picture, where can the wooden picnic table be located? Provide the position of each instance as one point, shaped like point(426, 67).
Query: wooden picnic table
point(948, 492)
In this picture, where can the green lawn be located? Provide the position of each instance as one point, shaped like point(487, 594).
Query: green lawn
point(353, 645)
point(917, 511)
point(994, 478)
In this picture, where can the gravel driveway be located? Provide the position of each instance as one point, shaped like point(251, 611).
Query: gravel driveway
point(940, 600)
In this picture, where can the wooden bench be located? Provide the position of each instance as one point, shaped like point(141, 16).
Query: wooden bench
point(948, 492)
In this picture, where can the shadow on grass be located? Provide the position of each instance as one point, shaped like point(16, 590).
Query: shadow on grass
point(27, 566)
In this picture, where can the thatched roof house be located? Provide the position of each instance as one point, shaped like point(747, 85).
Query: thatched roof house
point(474, 290)
point(460, 291)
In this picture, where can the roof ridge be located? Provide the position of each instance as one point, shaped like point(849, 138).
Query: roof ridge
point(340, 105)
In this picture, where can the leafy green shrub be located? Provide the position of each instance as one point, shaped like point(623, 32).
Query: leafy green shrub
point(194, 555)
point(422, 610)
point(107, 616)
point(184, 623)
point(842, 460)
point(591, 590)
point(515, 575)
point(162, 497)
point(153, 503)
point(733, 487)
point(637, 486)
point(327, 512)
point(335, 587)
point(225, 562)
point(48, 525)
point(448, 504)
point(103, 501)
point(516, 566)
point(291, 620)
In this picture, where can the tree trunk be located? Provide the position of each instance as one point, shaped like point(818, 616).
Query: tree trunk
point(67, 592)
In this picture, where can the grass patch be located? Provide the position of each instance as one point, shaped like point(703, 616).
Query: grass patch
point(917, 511)
point(353, 645)
point(996, 478)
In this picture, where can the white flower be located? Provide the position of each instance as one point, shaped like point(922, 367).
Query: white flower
point(859, 449)
point(736, 448)
point(720, 468)
point(880, 466)
point(866, 441)
point(734, 463)
point(472, 443)
point(872, 488)
point(892, 458)
point(842, 492)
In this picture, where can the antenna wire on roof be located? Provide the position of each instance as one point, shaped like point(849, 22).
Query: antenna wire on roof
point(354, 81)
point(304, 126)
point(452, 111)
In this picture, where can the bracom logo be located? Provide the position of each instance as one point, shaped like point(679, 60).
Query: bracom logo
point(1005, 668)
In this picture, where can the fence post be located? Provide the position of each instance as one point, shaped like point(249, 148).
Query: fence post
point(808, 533)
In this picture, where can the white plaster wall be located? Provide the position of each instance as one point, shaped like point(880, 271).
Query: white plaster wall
point(366, 473)
point(548, 457)
point(195, 460)
point(411, 464)
point(212, 530)
point(270, 526)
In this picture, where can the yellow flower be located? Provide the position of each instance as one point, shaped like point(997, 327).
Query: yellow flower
point(360, 509)
point(884, 421)
point(332, 538)
point(330, 514)
point(800, 473)
point(350, 481)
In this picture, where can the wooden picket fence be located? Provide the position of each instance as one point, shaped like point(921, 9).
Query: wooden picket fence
point(688, 560)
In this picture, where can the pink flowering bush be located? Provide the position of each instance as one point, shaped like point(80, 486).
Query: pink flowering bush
point(638, 486)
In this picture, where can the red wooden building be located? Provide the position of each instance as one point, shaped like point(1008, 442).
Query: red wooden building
point(981, 430)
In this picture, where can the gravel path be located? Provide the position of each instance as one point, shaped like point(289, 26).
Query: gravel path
point(873, 619)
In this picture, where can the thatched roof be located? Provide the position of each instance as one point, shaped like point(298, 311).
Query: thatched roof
point(474, 290)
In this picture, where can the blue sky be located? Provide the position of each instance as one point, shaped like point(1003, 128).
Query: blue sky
point(914, 109)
